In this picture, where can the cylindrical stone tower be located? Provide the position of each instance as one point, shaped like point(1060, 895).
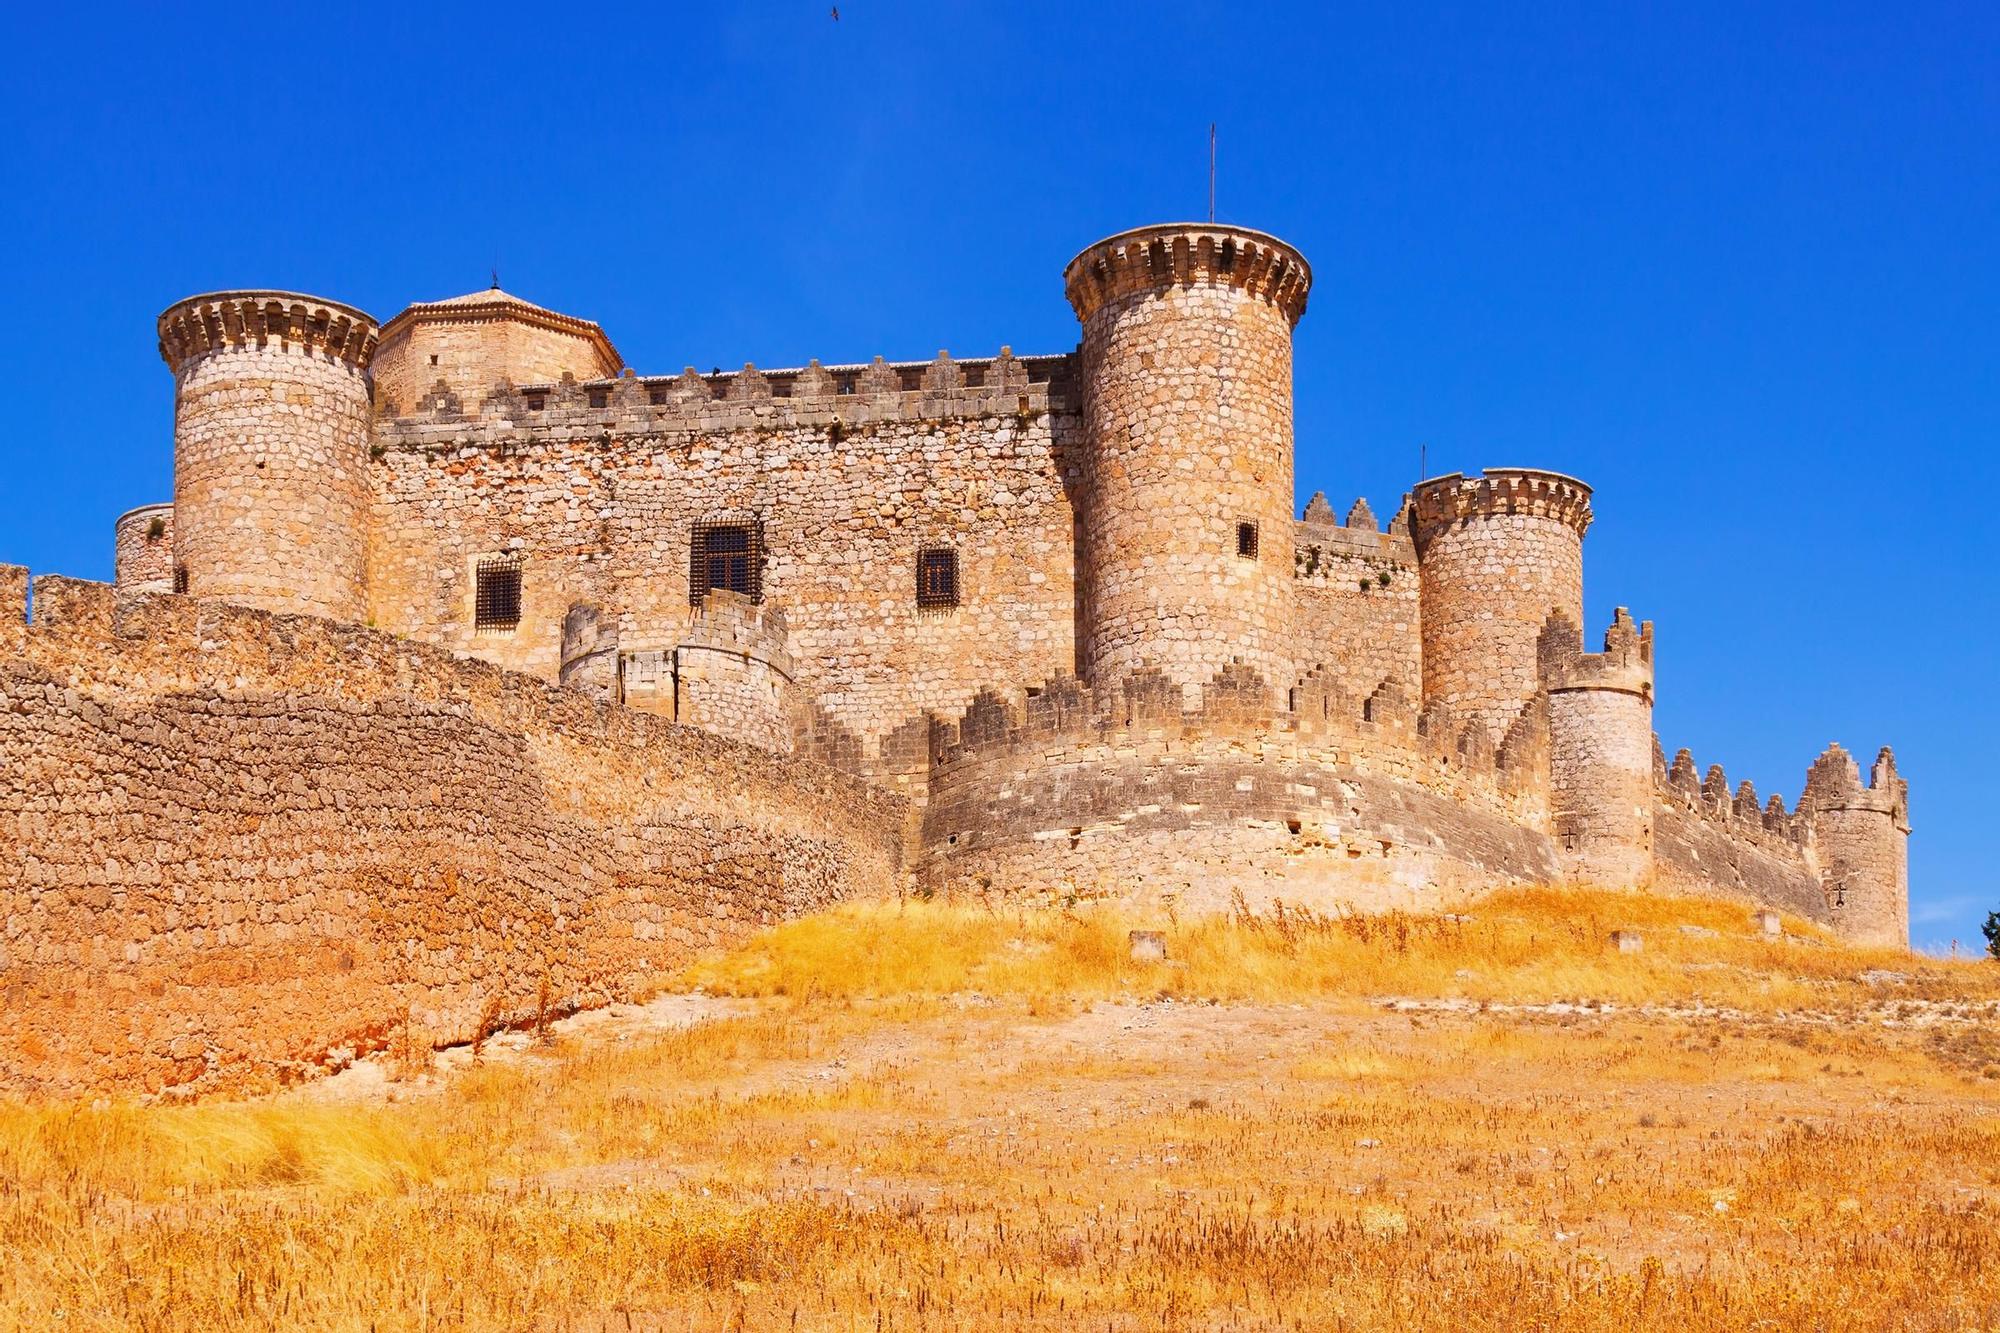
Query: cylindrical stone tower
point(142, 553)
point(1185, 523)
point(1601, 752)
point(271, 435)
point(1861, 837)
point(1497, 555)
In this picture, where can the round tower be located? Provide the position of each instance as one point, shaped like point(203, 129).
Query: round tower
point(1861, 840)
point(1185, 526)
point(142, 552)
point(1601, 751)
point(271, 435)
point(1497, 555)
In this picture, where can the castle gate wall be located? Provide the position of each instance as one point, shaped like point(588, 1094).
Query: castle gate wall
point(600, 502)
point(237, 848)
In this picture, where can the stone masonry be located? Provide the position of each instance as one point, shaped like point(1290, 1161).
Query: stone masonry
point(1033, 621)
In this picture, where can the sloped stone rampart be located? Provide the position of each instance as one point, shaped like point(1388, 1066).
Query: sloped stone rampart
point(236, 848)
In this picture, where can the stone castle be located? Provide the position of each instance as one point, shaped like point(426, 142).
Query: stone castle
point(1037, 622)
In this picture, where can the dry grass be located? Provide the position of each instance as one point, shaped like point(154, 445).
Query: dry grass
point(1522, 946)
point(939, 1124)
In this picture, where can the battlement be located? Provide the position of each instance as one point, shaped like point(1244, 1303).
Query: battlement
point(1234, 708)
point(855, 394)
point(1626, 664)
point(201, 324)
point(1834, 783)
point(1442, 501)
point(1320, 535)
point(1188, 254)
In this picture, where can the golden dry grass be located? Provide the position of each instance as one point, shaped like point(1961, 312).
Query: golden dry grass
point(949, 1117)
point(1517, 946)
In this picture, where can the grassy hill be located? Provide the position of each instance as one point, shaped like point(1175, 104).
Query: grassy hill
point(960, 1115)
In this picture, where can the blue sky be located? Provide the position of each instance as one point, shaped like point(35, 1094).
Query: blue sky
point(1735, 265)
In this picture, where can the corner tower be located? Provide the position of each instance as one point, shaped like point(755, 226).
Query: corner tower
point(1861, 836)
point(271, 432)
point(1497, 555)
point(1185, 526)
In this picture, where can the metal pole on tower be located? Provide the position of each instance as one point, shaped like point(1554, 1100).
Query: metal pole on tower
point(1211, 171)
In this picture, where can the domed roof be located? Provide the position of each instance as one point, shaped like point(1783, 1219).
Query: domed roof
point(494, 304)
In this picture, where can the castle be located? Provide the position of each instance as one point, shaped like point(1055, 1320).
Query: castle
point(1053, 614)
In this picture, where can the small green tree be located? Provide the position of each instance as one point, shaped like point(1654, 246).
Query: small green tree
point(1991, 930)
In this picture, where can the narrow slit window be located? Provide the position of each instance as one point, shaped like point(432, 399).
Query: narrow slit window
point(729, 556)
point(181, 579)
point(1246, 540)
point(937, 578)
point(496, 598)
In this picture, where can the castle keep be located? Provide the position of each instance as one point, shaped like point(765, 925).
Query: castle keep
point(1051, 617)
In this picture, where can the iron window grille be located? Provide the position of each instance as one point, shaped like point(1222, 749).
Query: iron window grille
point(496, 596)
point(726, 555)
point(181, 579)
point(937, 578)
point(1246, 540)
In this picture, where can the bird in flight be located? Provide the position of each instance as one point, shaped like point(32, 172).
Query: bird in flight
point(836, 13)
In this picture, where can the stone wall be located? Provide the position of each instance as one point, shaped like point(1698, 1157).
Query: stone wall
point(1140, 798)
point(236, 848)
point(143, 549)
point(849, 470)
point(1357, 612)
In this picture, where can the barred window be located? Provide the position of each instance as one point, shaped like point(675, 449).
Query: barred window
point(937, 578)
point(496, 598)
point(1246, 540)
point(181, 579)
point(729, 556)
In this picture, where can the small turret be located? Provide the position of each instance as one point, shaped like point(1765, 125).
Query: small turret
point(271, 432)
point(1601, 750)
point(1861, 839)
point(142, 556)
point(1497, 555)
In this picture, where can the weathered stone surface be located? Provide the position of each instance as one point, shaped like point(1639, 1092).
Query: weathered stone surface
point(231, 843)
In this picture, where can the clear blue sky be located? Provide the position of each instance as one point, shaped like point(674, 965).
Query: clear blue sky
point(1734, 265)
